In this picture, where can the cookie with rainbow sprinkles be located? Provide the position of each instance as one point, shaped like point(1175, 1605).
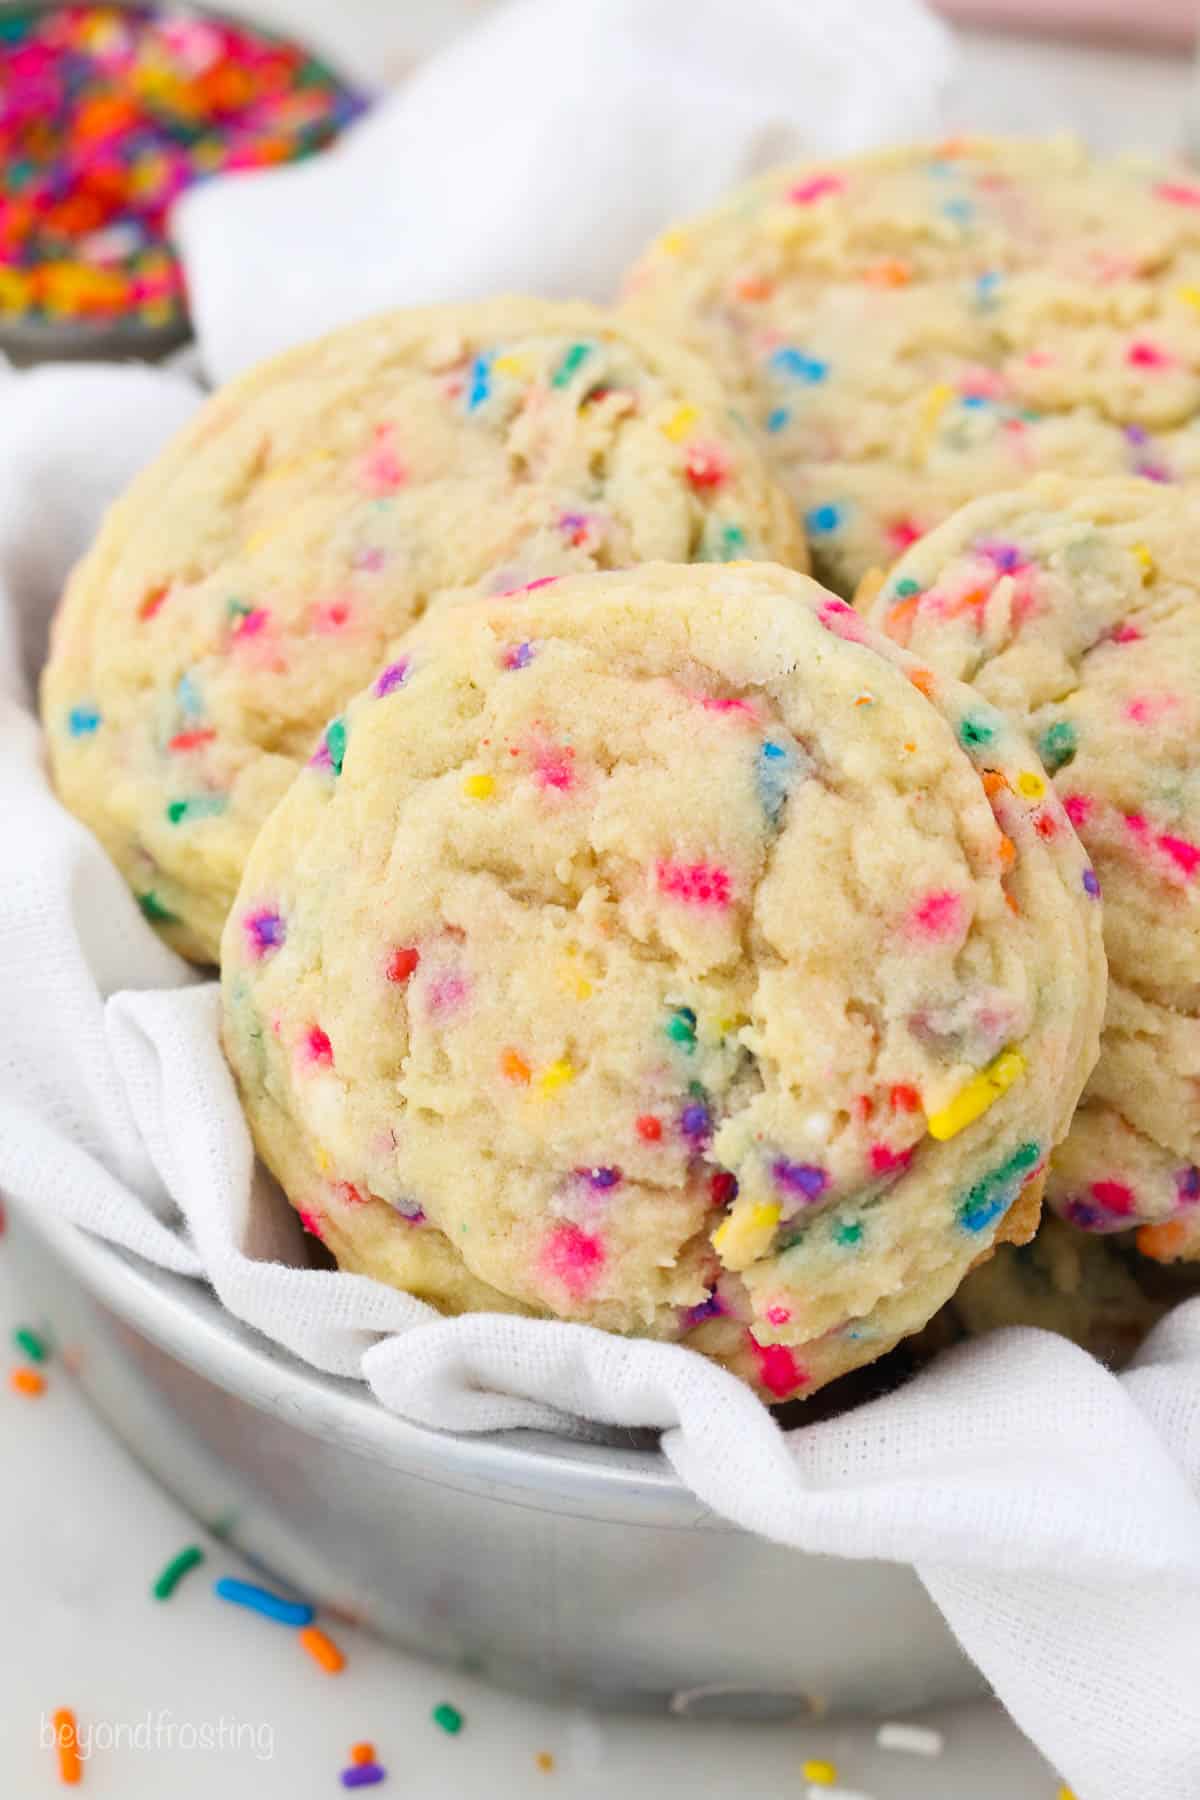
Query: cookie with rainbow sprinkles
point(1076, 607)
point(751, 969)
point(910, 329)
point(251, 579)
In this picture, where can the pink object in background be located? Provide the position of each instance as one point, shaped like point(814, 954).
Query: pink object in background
point(1161, 23)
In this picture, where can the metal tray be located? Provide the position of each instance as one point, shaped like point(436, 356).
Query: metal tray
point(567, 1570)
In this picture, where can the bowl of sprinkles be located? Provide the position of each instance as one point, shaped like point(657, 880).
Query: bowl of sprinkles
point(107, 114)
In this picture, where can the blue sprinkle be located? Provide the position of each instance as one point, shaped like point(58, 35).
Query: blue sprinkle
point(973, 400)
point(256, 1599)
point(481, 381)
point(989, 1198)
point(823, 518)
point(83, 720)
point(188, 696)
point(961, 211)
point(1187, 1183)
point(773, 779)
point(777, 418)
point(986, 285)
point(795, 362)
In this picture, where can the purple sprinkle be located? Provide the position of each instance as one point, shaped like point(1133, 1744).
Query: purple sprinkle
point(393, 677)
point(266, 931)
point(1136, 434)
point(1085, 1215)
point(518, 656)
point(1004, 557)
point(363, 1775)
point(1091, 883)
point(800, 1178)
point(320, 758)
point(410, 1211)
point(601, 1178)
point(1187, 1186)
point(712, 1308)
point(695, 1121)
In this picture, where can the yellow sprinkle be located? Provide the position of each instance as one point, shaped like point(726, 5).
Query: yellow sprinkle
point(731, 1022)
point(1190, 297)
point(820, 1773)
point(267, 533)
point(557, 1075)
point(971, 1102)
point(479, 787)
point(1145, 561)
point(511, 365)
point(324, 1160)
point(1066, 1793)
point(680, 423)
point(1031, 785)
point(932, 407)
point(673, 243)
point(746, 1233)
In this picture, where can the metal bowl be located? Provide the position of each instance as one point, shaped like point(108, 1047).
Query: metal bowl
point(562, 1569)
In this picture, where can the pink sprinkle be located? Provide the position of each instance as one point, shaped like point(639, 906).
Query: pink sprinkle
point(1136, 824)
point(779, 1315)
point(446, 992)
point(382, 470)
point(707, 465)
point(902, 534)
point(719, 703)
point(938, 915)
point(778, 1369)
point(252, 623)
point(1078, 808)
point(317, 1046)
point(371, 561)
point(552, 768)
point(1179, 193)
point(1114, 1197)
point(1125, 634)
point(843, 621)
point(982, 383)
point(886, 1161)
point(311, 1222)
point(1144, 355)
point(815, 188)
point(330, 616)
point(573, 1257)
point(1185, 855)
point(1147, 709)
point(1040, 359)
point(697, 884)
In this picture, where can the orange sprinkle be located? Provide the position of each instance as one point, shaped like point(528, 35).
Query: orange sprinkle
point(66, 1737)
point(898, 623)
point(1007, 852)
point(1012, 905)
point(27, 1382)
point(993, 782)
point(362, 1753)
point(973, 597)
point(1163, 1243)
point(322, 1649)
point(891, 272)
point(514, 1067)
point(922, 680)
point(754, 287)
point(544, 1761)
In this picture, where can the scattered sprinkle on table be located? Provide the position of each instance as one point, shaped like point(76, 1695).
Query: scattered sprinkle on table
point(66, 1740)
point(820, 1773)
point(27, 1382)
point(323, 1650)
point(362, 1752)
point(259, 1600)
point(367, 1774)
point(35, 1347)
point(545, 1762)
point(175, 1571)
point(917, 1740)
point(449, 1718)
point(106, 115)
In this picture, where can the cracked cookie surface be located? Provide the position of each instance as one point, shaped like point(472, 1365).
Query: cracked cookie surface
point(668, 951)
point(251, 579)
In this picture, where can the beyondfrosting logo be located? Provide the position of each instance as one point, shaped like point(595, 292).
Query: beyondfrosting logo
point(159, 1731)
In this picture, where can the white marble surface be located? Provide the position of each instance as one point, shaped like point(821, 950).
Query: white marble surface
point(84, 1530)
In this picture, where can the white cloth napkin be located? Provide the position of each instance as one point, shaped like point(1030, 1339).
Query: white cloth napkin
point(1052, 1510)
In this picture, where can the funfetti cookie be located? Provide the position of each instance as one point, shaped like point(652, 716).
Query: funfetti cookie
point(914, 328)
point(1077, 608)
point(250, 580)
point(669, 951)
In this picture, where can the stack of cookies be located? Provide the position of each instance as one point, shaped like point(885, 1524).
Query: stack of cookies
point(615, 923)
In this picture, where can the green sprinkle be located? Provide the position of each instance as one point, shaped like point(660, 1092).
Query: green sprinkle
point(175, 1571)
point(975, 731)
point(904, 590)
point(983, 1204)
point(570, 362)
point(154, 910)
point(1058, 745)
point(848, 1235)
point(335, 744)
point(35, 1347)
point(681, 1027)
point(200, 806)
point(238, 609)
point(449, 1718)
